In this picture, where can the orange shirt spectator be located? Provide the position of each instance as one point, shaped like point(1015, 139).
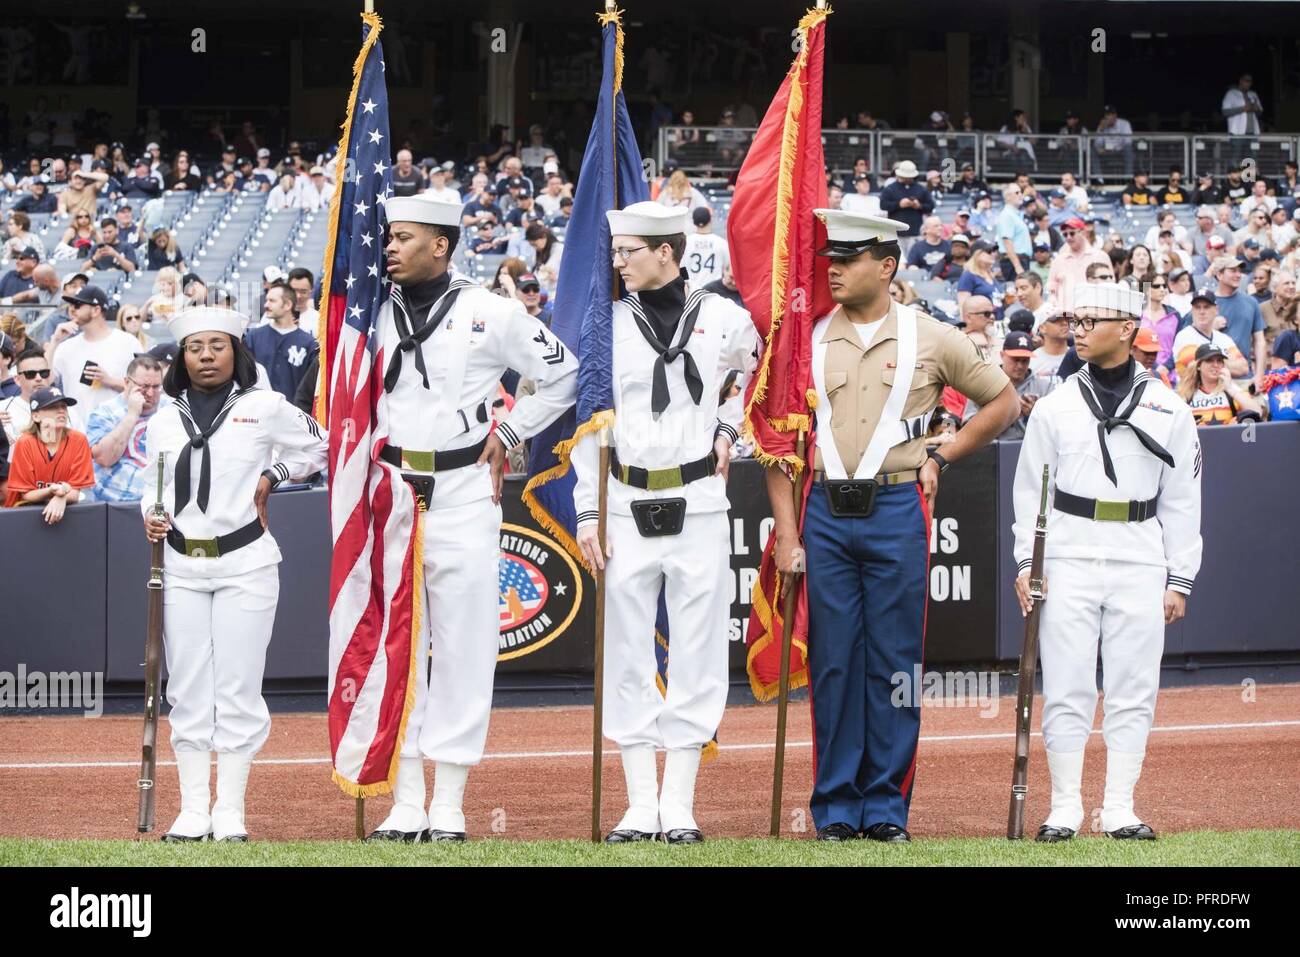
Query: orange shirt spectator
point(51, 462)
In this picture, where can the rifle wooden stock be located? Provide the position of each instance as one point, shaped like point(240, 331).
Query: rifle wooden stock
point(152, 672)
point(1028, 672)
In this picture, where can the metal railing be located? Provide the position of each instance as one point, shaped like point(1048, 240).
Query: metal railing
point(719, 151)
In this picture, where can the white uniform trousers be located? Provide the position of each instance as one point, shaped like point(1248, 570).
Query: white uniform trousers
point(1123, 604)
point(462, 551)
point(695, 566)
point(216, 632)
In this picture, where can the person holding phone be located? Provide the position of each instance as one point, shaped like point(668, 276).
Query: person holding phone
point(91, 362)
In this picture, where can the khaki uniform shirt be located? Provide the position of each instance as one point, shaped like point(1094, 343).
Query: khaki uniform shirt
point(858, 382)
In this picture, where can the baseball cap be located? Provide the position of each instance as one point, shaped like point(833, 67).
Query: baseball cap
point(1250, 244)
point(44, 398)
point(264, 153)
point(1109, 109)
point(164, 352)
point(228, 148)
point(143, 160)
point(861, 176)
point(1266, 255)
point(527, 279)
point(1209, 350)
point(1020, 319)
point(1225, 262)
point(28, 252)
point(1043, 241)
point(1018, 343)
point(1146, 341)
point(701, 216)
point(272, 274)
point(1058, 193)
point(936, 117)
point(1215, 242)
point(88, 296)
point(960, 238)
point(1204, 294)
point(318, 171)
point(1177, 274)
point(515, 182)
point(1074, 222)
point(962, 211)
point(983, 246)
point(75, 277)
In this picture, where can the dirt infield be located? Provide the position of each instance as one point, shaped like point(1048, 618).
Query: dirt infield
point(1221, 763)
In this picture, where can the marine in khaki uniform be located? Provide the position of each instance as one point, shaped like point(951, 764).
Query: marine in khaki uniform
point(879, 369)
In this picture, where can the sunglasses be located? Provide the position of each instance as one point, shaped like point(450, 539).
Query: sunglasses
point(1159, 285)
point(31, 374)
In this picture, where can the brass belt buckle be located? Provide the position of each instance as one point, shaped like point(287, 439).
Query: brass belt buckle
point(660, 479)
point(202, 548)
point(415, 460)
point(1110, 511)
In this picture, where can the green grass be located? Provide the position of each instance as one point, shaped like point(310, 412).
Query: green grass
point(1193, 849)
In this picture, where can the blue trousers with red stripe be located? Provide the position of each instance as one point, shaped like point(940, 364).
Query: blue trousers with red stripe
point(868, 581)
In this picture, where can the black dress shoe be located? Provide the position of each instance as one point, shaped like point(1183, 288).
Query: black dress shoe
point(170, 838)
point(1048, 834)
point(398, 837)
point(628, 836)
point(684, 835)
point(1134, 832)
point(435, 836)
point(887, 833)
point(837, 831)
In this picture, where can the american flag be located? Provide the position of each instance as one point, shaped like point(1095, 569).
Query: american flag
point(523, 590)
point(373, 614)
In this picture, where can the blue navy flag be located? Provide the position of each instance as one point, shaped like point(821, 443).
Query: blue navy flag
point(611, 177)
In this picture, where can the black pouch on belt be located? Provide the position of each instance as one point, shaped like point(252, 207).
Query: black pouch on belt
point(659, 516)
point(422, 486)
point(851, 499)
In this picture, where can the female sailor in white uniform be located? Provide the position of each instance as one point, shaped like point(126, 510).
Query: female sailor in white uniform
point(227, 444)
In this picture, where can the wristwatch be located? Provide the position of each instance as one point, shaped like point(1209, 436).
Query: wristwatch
point(939, 460)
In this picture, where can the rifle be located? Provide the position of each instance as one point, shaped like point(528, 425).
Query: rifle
point(152, 670)
point(1028, 671)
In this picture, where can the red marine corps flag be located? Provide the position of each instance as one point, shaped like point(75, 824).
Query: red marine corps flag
point(773, 236)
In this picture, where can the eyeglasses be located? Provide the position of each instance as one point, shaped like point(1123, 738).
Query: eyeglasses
point(145, 388)
point(624, 253)
point(987, 312)
point(1087, 322)
point(31, 374)
point(197, 348)
point(1159, 285)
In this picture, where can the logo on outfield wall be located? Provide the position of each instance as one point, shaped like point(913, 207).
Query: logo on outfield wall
point(540, 591)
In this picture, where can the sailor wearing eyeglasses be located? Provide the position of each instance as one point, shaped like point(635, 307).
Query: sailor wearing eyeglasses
point(676, 349)
point(879, 368)
point(1123, 548)
point(226, 445)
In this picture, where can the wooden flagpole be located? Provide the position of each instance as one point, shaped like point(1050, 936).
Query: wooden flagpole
point(787, 632)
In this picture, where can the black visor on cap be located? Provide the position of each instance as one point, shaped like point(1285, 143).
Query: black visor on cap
point(843, 249)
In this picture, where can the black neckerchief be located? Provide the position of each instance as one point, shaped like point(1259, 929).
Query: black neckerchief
point(649, 329)
point(201, 414)
point(415, 323)
point(663, 308)
point(1108, 392)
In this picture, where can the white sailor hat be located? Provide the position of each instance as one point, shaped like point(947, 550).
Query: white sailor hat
point(422, 208)
point(1115, 296)
point(849, 233)
point(648, 219)
point(206, 319)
